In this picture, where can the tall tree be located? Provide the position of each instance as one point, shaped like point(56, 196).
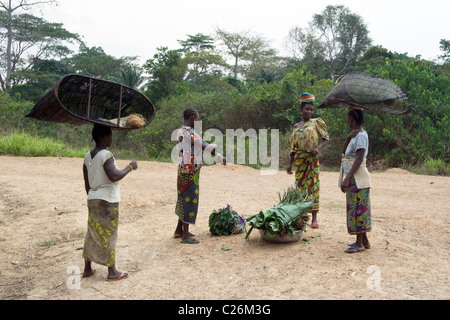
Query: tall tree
point(200, 57)
point(197, 43)
point(21, 32)
point(309, 49)
point(94, 62)
point(131, 76)
point(262, 61)
point(33, 83)
point(336, 35)
point(445, 47)
point(251, 53)
point(236, 45)
point(165, 72)
point(373, 57)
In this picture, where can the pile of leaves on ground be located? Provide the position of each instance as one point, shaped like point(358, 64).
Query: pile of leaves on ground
point(287, 217)
point(226, 222)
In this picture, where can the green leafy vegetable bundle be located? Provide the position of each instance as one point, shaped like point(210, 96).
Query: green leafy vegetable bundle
point(225, 222)
point(289, 216)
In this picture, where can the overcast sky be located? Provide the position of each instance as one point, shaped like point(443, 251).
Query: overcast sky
point(138, 27)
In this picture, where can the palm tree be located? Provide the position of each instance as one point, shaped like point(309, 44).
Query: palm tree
point(267, 76)
point(131, 76)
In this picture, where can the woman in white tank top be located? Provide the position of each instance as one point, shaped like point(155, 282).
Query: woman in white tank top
point(101, 179)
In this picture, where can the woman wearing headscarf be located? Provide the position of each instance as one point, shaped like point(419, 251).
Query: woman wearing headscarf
point(354, 181)
point(308, 138)
point(101, 180)
point(190, 151)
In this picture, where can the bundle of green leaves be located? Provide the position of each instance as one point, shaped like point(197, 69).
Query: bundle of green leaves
point(225, 222)
point(289, 216)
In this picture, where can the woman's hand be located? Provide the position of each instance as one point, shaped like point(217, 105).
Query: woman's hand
point(133, 165)
point(222, 159)
point(345, 185)
point(315, 152)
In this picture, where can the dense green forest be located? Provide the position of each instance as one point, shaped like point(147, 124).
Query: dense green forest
point(234, 80)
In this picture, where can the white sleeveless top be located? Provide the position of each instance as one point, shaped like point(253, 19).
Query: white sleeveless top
point(101, 187)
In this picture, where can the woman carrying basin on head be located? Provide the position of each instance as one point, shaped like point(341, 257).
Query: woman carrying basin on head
point(101, 180)
point(355, 182)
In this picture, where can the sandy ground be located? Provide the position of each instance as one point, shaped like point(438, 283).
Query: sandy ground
point(43, 217)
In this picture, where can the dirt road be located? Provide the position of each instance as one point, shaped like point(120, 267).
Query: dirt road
point(43, 217)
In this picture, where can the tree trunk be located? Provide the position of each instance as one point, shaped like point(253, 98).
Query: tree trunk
point(6, 83)
point(8, 49)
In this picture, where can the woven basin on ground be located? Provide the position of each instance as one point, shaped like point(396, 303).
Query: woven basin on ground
point(282, 239)
point(77, 99)
point(368, 92)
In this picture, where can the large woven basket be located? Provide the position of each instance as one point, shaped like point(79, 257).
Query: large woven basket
point(368, 92)
point(78, 99)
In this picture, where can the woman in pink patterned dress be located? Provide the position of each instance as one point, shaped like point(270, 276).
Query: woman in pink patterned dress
point(190, 149)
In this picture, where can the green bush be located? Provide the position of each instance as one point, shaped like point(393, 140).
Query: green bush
point(436, 167)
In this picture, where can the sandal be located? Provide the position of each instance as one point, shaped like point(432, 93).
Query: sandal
point(354, 250)
point(365, 246)
point(190, 241)
point(124, 275)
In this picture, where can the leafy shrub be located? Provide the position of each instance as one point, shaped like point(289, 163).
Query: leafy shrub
point(436, 167)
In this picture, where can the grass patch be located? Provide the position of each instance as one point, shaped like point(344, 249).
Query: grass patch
point(431, 167)
point(47, 243)
point(24, 145)
point(436, 167)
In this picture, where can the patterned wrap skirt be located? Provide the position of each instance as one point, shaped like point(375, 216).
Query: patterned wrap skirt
point(358, 210)
point(188, 188)
point(101, 236)
point(307, 176)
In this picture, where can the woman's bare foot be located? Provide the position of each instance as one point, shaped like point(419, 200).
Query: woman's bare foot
point(314, 223)
point(88, 271)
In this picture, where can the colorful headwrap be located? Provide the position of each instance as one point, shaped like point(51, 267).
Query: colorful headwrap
point(307, 97)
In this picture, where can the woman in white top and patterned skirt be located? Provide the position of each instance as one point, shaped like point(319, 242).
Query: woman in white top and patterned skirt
point(101, 178)
point(355, 181)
